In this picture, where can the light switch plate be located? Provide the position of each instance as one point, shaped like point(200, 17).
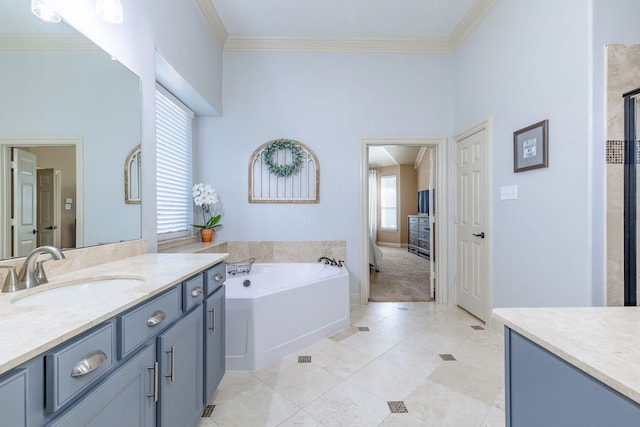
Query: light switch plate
point(509, 192)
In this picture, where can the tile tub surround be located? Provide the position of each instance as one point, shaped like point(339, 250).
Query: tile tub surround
point(601, 341)
point(269, 251)
point(26, 332)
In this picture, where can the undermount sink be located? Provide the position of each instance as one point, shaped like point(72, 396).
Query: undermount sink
point(77, 291)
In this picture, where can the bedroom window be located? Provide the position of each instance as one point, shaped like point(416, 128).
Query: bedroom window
point(388, 203)
point(174, 136)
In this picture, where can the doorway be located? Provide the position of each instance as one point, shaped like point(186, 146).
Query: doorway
point(438, 261)
point(54, 153)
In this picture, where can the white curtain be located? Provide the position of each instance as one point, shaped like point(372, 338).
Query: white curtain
point(373, 205)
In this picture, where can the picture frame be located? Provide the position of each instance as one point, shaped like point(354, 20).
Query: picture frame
point(531, 147)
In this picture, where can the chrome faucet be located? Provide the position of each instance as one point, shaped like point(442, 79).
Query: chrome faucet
point(32, 273)
point(331, 261)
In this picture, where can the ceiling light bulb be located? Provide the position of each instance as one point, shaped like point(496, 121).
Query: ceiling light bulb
point(109, 10)
point(43, 12)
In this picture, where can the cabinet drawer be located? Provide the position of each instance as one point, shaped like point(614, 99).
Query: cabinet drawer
point(77, 365)
point(413, 220)
point(136, 326)
point(193, 292)
point(216, 276)
point(424, 227)
point(424, 235)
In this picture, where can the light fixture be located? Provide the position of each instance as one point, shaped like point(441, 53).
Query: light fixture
point(109, 10)
point(43, 12)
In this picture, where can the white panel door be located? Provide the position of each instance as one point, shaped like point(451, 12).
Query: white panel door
point(24, 202)
point(49, 207)
point(471, 271)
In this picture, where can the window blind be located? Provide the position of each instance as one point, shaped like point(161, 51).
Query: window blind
point(174, 138)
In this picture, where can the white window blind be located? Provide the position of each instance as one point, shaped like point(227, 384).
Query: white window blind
point(388, 203)
point(174, 138)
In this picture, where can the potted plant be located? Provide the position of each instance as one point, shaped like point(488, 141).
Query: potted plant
point(207, 199)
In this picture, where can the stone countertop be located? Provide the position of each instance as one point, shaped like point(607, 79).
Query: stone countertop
point(26, 332)
point(604, 342)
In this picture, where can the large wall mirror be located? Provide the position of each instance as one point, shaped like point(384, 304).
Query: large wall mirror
point(72, 114)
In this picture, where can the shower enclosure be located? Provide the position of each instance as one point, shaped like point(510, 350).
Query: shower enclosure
point(631, 226)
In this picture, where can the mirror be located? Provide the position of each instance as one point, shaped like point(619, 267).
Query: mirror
point(66, 101)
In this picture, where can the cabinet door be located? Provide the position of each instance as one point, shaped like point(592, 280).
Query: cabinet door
point(13, 398)
point(126, 398)
point(180, 350)
point(214, 351)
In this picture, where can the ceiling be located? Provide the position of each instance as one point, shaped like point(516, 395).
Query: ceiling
point(392, 155)
point(431, 26)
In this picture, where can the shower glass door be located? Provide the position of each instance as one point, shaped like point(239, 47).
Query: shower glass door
point(631, 196)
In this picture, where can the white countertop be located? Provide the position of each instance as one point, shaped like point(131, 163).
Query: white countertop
point(26, 332)
point(604, 342)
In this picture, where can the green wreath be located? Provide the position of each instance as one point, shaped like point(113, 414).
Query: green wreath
point(287, 169)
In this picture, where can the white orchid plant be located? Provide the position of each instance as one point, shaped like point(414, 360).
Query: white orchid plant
point(206, 198)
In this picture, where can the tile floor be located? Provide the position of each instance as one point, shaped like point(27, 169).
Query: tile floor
point(355, 373)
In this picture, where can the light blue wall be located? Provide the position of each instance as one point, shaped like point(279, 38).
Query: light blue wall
point(528, 61)
point(329, 102)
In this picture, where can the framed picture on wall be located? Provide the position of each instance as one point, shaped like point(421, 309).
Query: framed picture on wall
point(530, 147)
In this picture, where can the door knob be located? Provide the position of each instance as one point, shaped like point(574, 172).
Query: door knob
point(35, 231)
point(52, 227)
point(480, 235)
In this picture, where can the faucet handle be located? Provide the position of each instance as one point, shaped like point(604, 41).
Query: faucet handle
point(11, 283)
point(340, 263)
point(41, 275)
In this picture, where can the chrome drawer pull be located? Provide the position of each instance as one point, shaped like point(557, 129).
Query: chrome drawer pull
point(218, 277)
point(212, 317)
point(154, 395)
point(156, 318)
point(172, 364)
point(91, 362)
point(196, 292)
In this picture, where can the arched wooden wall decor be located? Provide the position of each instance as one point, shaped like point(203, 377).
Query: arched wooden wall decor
point(133, 177)
point(284, 171)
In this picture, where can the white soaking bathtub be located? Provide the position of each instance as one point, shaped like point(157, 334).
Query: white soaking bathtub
point(285, 308)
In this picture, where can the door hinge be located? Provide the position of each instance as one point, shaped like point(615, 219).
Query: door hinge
point(12, 222)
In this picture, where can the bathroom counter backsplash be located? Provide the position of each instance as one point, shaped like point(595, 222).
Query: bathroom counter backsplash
point(28, 331)
point(601, 341)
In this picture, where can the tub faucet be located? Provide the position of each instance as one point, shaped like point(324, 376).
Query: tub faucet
point(329, 261)
point(32, 273)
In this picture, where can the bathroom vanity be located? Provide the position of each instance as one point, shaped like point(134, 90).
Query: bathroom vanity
point(151, 354)
point(571, 366)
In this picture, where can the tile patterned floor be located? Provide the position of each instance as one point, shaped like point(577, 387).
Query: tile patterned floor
point(354, 374)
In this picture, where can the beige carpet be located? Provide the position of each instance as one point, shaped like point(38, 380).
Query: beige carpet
point(403, 277)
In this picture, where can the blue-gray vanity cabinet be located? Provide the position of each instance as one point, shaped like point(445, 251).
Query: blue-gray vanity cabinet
point(214, 350)
point(126, 398)
point(180, 352)
point(544, 390)
point(13, 395)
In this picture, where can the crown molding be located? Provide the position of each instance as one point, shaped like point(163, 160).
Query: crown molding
point(476, 14)
point(45, 42)
point(348, 45)
point(211, 17)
